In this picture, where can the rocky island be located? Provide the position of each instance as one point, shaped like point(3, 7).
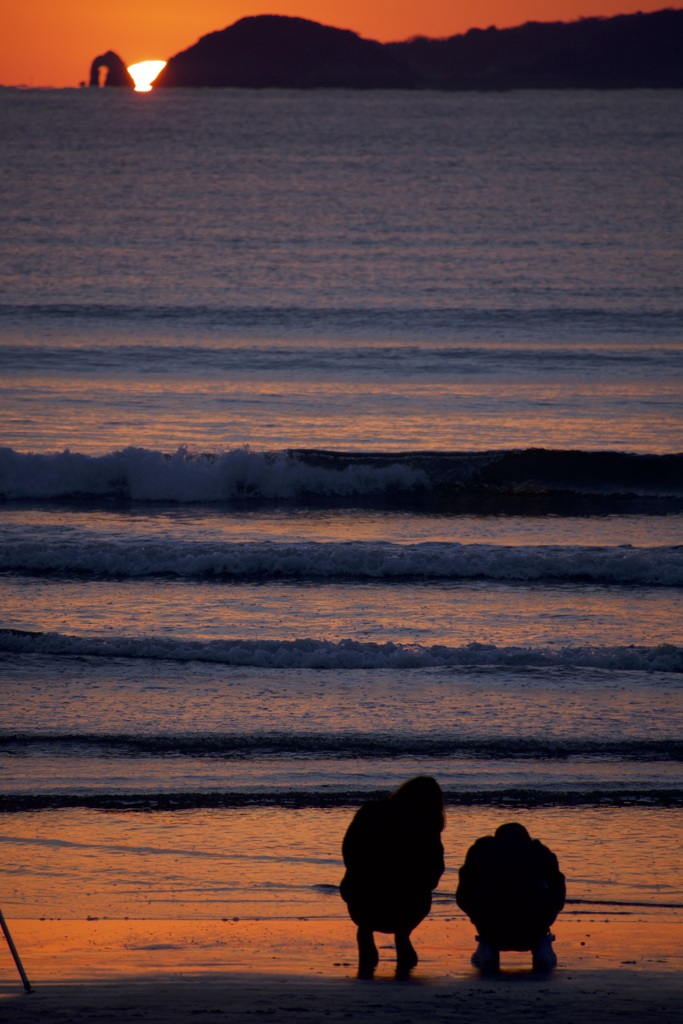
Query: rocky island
point(116, 71)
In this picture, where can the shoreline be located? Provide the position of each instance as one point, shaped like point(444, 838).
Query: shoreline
point(159, 971)
point(105, 949)
point(170, 971)
point(597, 996)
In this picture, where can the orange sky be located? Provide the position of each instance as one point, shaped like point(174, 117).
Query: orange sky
point(52, 42)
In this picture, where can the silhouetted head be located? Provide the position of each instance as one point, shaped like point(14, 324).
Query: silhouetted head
point(422, 797)
point(512, 832)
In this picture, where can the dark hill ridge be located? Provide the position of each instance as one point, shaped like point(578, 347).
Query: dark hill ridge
point(627, 51)
point(271, 51)
point(288, 53)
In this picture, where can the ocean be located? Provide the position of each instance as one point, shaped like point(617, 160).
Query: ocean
point(341, 441)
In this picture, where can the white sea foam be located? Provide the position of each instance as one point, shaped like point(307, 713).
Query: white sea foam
point(58, 550)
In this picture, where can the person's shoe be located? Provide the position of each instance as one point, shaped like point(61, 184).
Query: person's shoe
point(485, 957)
point(543, 955)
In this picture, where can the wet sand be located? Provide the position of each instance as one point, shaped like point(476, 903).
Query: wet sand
point(610, 969)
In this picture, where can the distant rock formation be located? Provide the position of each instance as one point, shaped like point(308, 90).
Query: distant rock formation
point(627, 51)
point(286, 53)
point(117, 72)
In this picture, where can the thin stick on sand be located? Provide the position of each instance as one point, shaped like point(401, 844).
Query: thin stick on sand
point(13, 951)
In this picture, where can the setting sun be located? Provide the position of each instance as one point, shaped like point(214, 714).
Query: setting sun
point(144, 73)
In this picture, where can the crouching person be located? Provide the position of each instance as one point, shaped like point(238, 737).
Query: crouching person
point(512, 889)
point(394, 859)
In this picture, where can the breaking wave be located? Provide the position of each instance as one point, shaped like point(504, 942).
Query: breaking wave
point(345, 654)
point(485, 481)
point(57, 552)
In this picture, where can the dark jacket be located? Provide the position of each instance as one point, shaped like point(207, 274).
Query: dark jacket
point(512, 891)
point(394, 860)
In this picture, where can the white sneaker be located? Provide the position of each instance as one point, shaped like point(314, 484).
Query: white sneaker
point(485, 956)
point(543, 955)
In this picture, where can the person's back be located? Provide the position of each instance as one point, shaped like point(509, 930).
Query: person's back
point(512, 890)
point(394, 858)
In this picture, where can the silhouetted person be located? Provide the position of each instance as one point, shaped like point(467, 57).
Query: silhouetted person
point(394, 859)
point(512, 889)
